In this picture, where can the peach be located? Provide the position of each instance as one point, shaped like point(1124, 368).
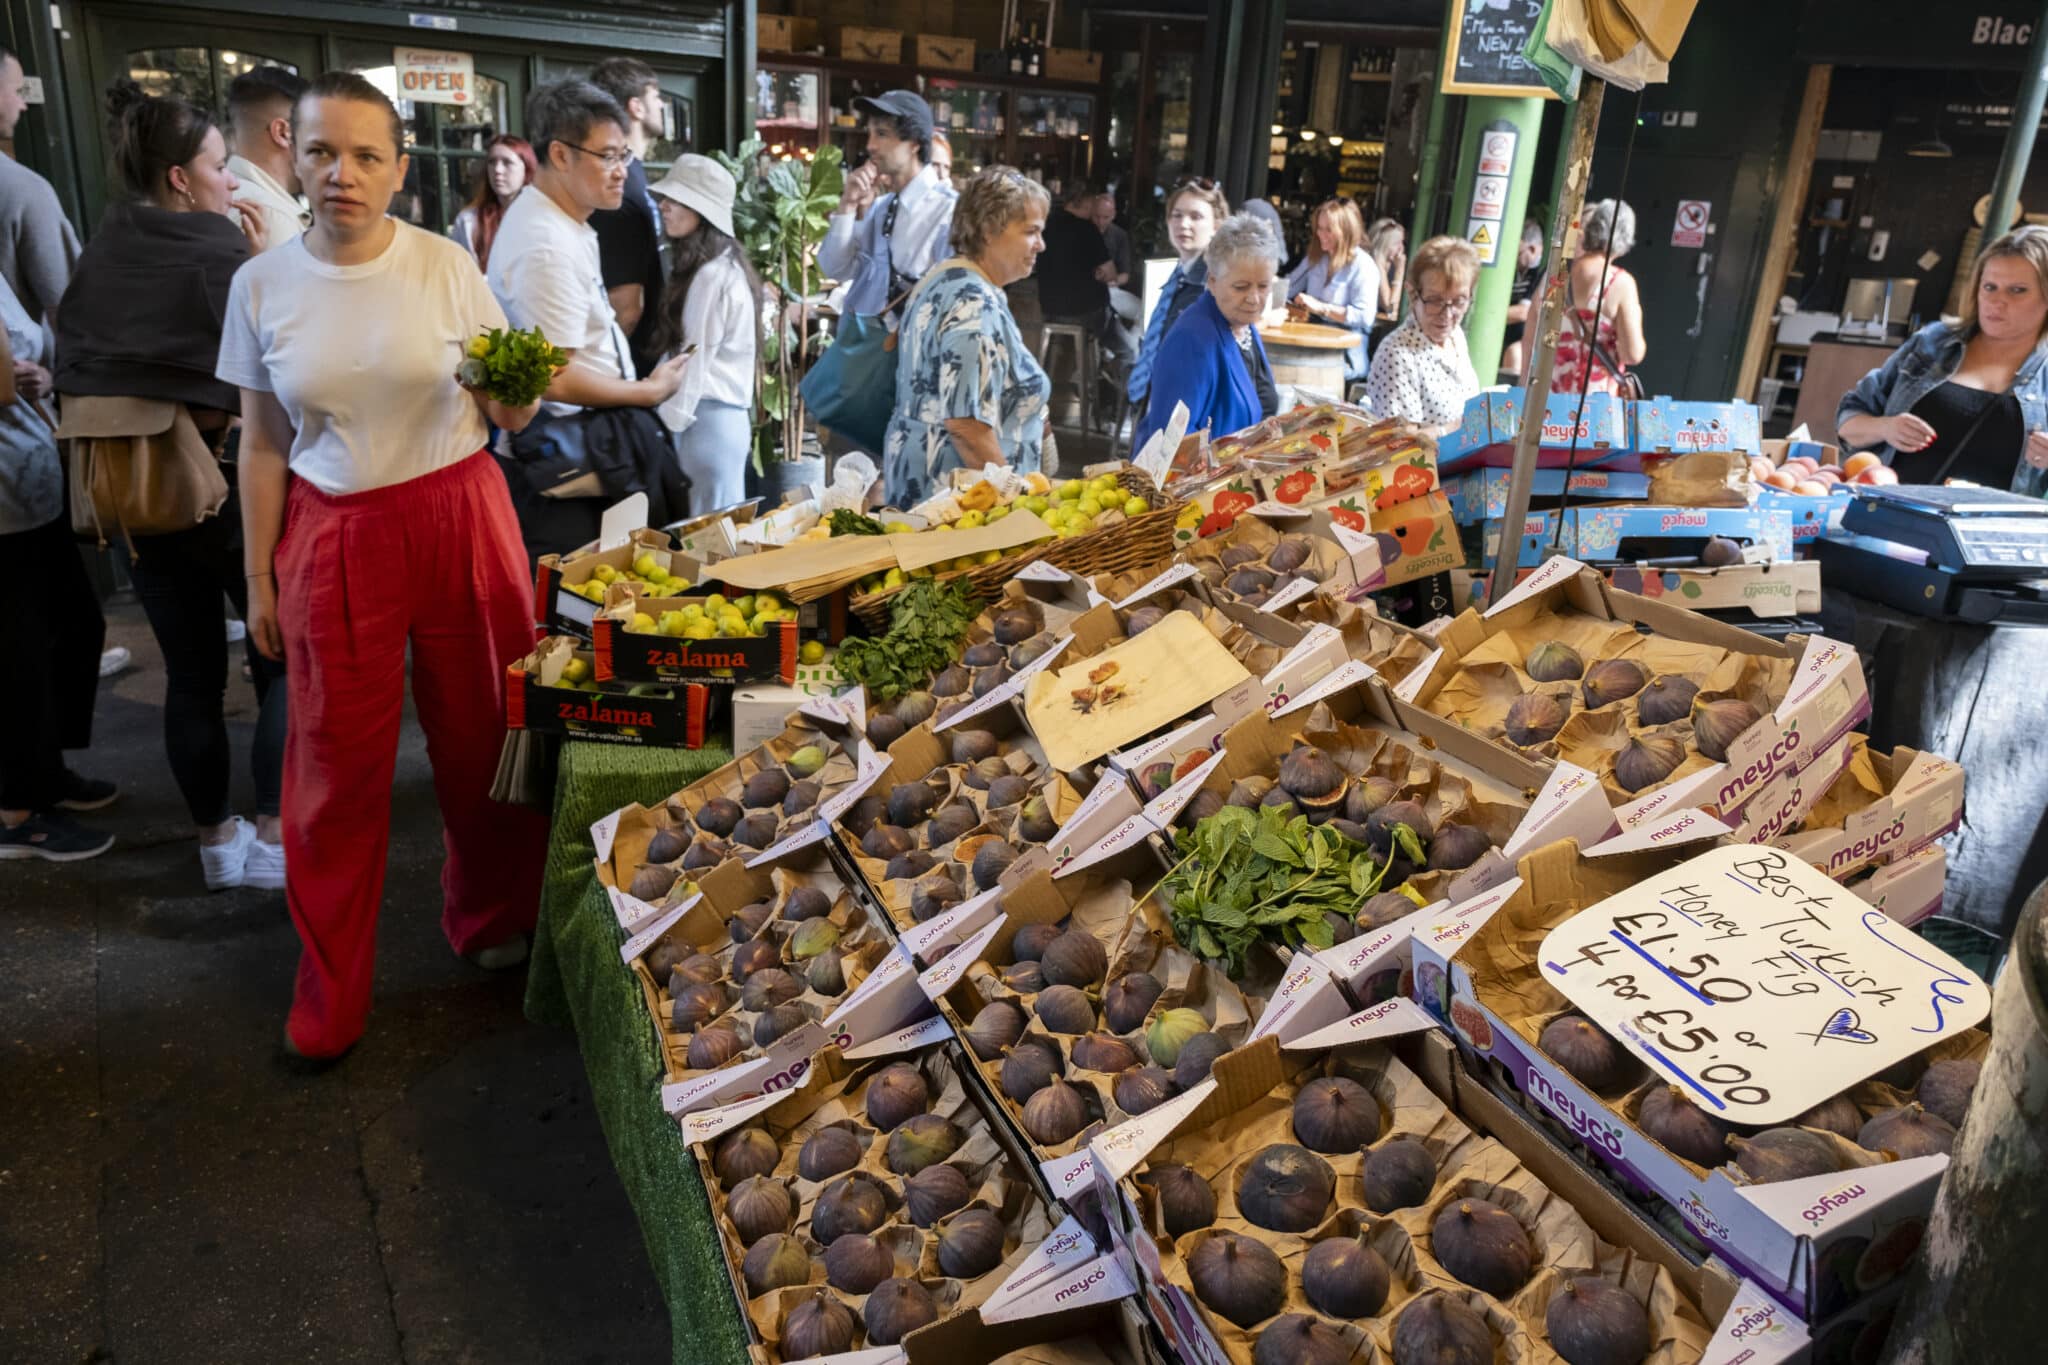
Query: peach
point(1810, 488)
point(1780, 479)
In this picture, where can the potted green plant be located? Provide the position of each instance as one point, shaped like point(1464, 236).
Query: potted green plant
point(780, 215)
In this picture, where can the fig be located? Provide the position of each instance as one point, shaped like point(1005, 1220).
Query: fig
point(701, 969)
point(1155, 778)
point(1784, 1154)
point(1197, 1055)
point(767, 989)
point(1534, 717)
point(1945, 1090)
point(818, 1326)
point(775, 1262)
point(1382, 822)
point(910, 803)
point(981, 774)
point(1484, 1245)
point(952, 681)
point(1142, 619)
point(884, 729)
point(1669, 1118)
point(812, 937)
point(1612, 680)
point(991, 860)
point(1285, 1189)
point(1075, 958)
point(908, 866)
point(667, 954)
point(933, 896)
point(1332, 1114)
point(1554, 661)
point(1592, 1056)
point(1457, 847)
point(668, 844)
point(1907, 1132)
point(1665, 700)
point(1035, 823)
point(1066, 1009)
point(756, 830)
point(1384, 908)
point(1030, 651)
point(1008, 790)
point(1436, 1329)
point(765, 788)
point(971, 1244)
point(1290, 554)
point(748, 1152)
point(884, 841)
point(1341, 930)
point(1238, 1278)
point(805, 762)
point(1171, 1031)
point(987, 654)
point(1719, 552)
point(1397, 1174)
point(1104, 1052)
point(1142, 1088)
point(1312, 779)
point(1366, 795)
point(972, 746)
point(696, 1006)
point(778, 1023)
point(827, 1152)
point(758, 1206)
point(713, 1047)
point(718, 816)
point(1015, 625)
point(1592, 1322)
point(1646, 760)
point(1352, 830)
point(1837, 1114)
point(1345, 1277)
point(857, 1263)
point(897, 1092)
point(1300, 1339)
point(1029, 942)
point(1128, 1000)
point(1237, 556)
point(919, 1141)
point(1282, 800)
point(896, 1308)
point(1026, 1071)
point(934, 1192)
point(826, 973)
point(746, 921)
point(1024, 978)
point(1248, 582)
point(1186, 1202)
point(989, 679)
point(652, 882)
point(1247, 792)
point(1054, 1114)
point(704, 852)
point(996, 1026)
point(852, 1203)
point(1718, 724)
point(915, 708)
point(805, 902)
point(1200, 807)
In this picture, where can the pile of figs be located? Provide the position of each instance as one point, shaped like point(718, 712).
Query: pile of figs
point(788, 960)
point(864, 1231)
point(1015, 637)
point(1249, 575)
point(773, 802)
point(1666, 712)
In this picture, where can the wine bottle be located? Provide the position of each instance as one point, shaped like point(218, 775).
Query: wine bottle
point(1016, 53)
point(1033, 64)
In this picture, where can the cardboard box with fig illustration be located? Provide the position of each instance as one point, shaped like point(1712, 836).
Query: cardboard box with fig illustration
point(555, 690)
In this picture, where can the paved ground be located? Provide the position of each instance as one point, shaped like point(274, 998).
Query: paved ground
point(169, 1194)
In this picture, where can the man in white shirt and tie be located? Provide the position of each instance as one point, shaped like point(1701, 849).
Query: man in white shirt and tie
point(883, 245)
point(260, 104)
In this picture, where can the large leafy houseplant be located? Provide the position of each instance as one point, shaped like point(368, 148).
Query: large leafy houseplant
point(780, 215)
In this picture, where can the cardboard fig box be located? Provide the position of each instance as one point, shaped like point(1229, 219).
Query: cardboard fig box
point(1101, 1333)
point(1667, 424)
point(651, 656)
point(568, 594)
point(554, 691)
point(1878, 807)
point(1615, 532)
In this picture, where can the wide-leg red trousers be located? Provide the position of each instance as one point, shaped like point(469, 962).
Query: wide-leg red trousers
point(435, 563)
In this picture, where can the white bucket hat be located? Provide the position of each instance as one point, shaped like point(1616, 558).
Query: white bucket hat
point(700, 184)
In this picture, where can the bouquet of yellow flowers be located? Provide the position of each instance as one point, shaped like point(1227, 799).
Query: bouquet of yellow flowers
point(511, 366)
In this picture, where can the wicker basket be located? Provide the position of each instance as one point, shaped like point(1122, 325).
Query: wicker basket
point(1112, 549)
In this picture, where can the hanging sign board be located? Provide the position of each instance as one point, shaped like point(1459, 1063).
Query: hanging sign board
point(435, 77)
point(1484, 56)
point(1758, 985)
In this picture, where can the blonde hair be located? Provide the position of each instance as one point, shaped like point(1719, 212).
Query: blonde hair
point(2027, 243)
point(990, 201)
point(1348, 225)
point(1451, 257)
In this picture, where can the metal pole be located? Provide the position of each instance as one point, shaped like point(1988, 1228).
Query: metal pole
point(1564, 240)
point(2019, 142)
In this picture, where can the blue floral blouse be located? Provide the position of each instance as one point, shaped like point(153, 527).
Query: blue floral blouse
point(959, 356)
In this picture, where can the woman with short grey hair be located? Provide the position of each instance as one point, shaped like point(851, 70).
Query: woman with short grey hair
point(1213, 361)
point(1603, 331)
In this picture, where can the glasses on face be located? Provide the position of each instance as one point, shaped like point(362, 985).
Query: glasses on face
point(611, 158)
point(1432, 304)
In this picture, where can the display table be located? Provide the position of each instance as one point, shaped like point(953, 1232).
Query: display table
point(576, 980)
point(1308, 355)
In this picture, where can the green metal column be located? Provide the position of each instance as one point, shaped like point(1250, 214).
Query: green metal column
point(1430, 169)
point(1489, 120)
point(2019, 140)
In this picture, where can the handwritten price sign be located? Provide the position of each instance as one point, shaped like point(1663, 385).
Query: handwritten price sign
point(1759, 985)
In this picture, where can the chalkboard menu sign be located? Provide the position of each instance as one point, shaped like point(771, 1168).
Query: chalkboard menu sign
point(1485, 53)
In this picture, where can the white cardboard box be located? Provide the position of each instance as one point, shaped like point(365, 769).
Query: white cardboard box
point(758, 711)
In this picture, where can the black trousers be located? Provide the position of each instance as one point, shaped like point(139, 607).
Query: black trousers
point(182, 578)
point(52, 615)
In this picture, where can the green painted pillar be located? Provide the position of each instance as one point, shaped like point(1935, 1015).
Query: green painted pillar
point(1496, 162)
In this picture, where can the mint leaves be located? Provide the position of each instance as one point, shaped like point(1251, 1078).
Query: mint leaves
point(511, 366)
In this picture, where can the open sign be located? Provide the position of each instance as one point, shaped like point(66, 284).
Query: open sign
point(435, 77)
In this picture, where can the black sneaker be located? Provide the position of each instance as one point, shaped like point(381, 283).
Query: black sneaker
point(55, 837)
point(87, 793)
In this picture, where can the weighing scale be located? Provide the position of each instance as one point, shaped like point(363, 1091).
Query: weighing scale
point(1978, 555)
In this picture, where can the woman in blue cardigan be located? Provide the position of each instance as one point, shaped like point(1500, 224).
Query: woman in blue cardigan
point(1213, 360)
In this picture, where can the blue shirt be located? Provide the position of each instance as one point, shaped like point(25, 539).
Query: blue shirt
point(31, 478)
point(1356, 287)
point(1201, 365)
point(1183, 287)
point(1926, 361)
point(860, 253)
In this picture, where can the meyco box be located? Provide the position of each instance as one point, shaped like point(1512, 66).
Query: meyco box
point(1493, 420)
point(1880, 808)
point(1784, 588)
point(539, 697)
point(1604, 533)
point(1668, 424)
point(1812, 518)
point(1482, 494)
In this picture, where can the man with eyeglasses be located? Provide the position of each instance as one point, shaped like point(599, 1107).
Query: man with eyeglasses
point(546, 272)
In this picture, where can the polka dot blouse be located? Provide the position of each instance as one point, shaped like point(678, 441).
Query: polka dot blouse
point(1416, 379)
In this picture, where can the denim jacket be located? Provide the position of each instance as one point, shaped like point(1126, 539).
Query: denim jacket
point(1923, 364)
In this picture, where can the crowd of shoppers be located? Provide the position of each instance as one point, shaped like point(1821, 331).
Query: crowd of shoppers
point(1212, 360)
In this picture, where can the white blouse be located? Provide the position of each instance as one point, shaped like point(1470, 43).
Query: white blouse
point(722, 317)
point(1416, 379)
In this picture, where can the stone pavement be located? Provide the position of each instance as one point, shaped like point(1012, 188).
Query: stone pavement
point(169, 1194)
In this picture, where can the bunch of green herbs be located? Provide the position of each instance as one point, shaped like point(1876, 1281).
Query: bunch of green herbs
point(927, 622)
point(514, 367)
point(844, 521)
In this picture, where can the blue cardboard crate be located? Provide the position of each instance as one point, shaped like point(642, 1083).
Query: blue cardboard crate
point(1486, 438)
point(1812, 518)
point(1482, 495)
point(1669, 425)
point(1594, 534)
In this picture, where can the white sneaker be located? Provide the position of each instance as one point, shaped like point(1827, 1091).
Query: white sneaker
point(226, 864)
point(113, 660)
point(265, 868)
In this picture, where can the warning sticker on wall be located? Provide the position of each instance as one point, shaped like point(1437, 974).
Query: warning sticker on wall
point(1690, 228)
point(1489, 196)
point(1485, 239)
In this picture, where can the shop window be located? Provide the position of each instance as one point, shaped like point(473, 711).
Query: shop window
point(445, 141)
point(197, 75)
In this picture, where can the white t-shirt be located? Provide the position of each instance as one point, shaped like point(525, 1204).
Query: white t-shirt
point(723, 318)
point(283, 216)
point(363, 357)
point(545, 272)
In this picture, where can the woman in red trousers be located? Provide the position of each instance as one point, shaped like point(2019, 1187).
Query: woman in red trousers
point(374, 520)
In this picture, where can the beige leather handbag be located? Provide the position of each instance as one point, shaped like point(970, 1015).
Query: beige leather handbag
point(138, 465)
